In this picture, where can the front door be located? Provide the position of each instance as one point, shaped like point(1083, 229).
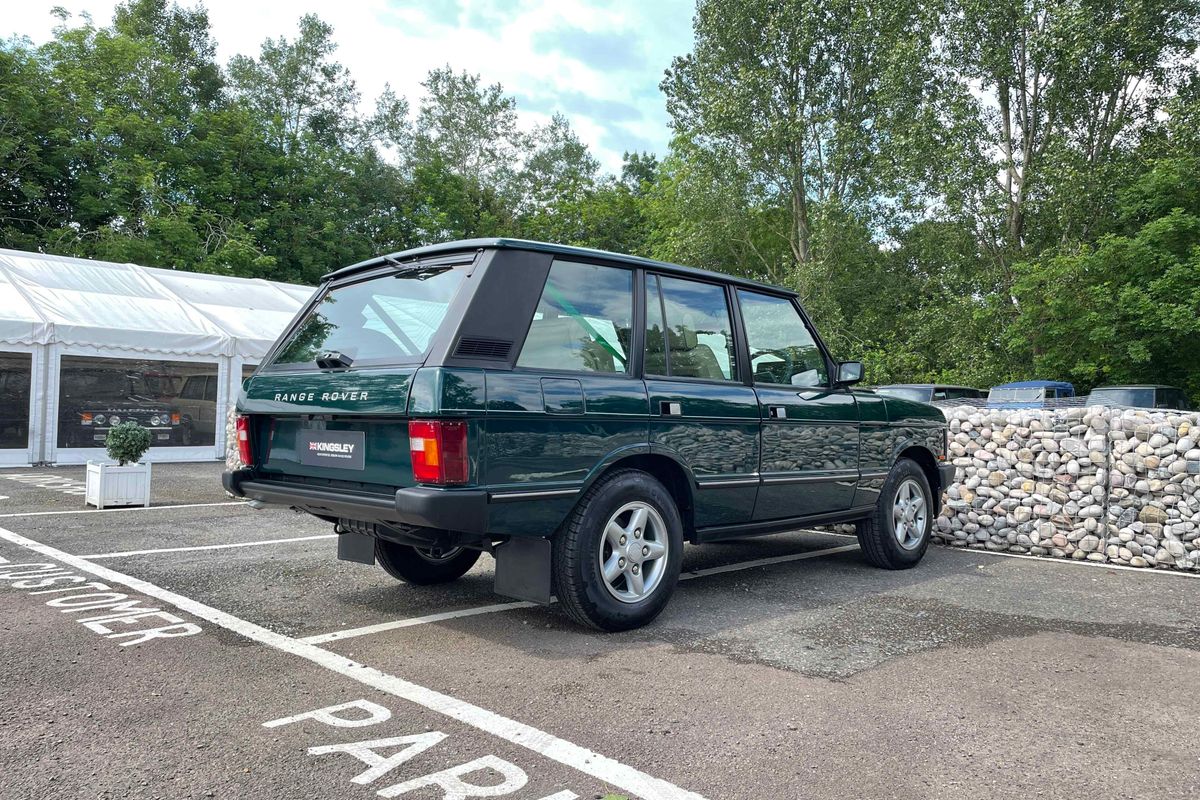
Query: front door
point(701, 412)
point(809, 427)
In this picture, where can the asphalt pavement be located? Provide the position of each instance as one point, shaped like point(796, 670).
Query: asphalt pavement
point(200, 648)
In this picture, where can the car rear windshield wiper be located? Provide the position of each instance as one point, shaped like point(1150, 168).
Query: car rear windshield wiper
point(415, 269)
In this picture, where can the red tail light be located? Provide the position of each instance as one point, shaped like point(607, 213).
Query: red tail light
point(439, 451)
point(245, 451)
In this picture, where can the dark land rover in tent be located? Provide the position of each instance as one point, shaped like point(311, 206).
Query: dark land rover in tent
point(96, 399)
point(579, 415)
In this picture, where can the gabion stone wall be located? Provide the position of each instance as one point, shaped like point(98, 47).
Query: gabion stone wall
point(232, 459)
point(1107, 485)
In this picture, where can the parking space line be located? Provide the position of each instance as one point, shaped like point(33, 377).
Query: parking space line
point(612, 772)
point(1170, 573)
point(765, 562)
point(124, 553)
point(120, 510)
point(409, 622)
point(350, 633)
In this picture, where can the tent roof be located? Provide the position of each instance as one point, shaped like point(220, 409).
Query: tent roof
point(48, 299)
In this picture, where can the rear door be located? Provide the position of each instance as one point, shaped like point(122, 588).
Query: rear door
point(701, 411)
point(810, 429)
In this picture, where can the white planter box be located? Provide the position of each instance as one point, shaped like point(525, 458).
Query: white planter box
point(112, 485)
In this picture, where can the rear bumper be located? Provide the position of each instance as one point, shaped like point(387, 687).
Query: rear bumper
point(463, 510)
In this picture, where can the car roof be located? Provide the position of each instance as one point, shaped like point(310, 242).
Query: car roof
point(461, 245)
point(1032, 385)
point(1137, 386)
point(924, 386)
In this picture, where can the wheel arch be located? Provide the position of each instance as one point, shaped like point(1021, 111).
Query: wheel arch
point(928, 464)
point(670, 472)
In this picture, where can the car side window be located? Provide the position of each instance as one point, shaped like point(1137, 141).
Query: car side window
point(782, 348)
point(210, 389)
point(688, 330)
point(583, 320)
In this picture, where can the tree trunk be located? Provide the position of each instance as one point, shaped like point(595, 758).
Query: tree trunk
point(801, 240)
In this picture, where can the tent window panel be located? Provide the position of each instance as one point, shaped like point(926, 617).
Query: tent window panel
point(173, 399)
point(15, 372)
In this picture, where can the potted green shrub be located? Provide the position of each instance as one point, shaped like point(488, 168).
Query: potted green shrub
point(126, 483)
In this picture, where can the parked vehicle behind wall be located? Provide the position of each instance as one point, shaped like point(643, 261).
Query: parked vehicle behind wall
point(1140, 396)
point(1029, 394)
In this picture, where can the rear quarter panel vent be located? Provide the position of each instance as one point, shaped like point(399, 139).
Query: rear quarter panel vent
point(479, 347)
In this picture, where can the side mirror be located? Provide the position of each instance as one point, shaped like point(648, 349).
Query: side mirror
point(849, 372)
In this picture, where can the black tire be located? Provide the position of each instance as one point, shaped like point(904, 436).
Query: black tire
point(405, 563)
point(877, 534)
point(579, 547)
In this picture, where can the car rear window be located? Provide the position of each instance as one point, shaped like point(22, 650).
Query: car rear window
point(1012, 394)
point(583, 320)
point(389, 319)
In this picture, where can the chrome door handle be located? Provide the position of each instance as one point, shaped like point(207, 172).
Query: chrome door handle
point(669, 409)
point(777, 412)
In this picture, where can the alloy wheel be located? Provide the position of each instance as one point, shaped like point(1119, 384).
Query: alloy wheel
point(910, 513)
point(633, 552)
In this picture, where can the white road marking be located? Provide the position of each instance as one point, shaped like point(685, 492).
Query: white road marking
point(125, 553)
point(350, 633)
point(764, 562)
point(409, 622)
point(43, 481)
point(601, 767)
point(1170, 573)
point(121, 510)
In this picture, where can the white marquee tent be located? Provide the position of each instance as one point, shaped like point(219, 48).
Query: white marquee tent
point(82, 339)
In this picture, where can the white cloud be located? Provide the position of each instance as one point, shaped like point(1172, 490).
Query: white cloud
point(522, 45)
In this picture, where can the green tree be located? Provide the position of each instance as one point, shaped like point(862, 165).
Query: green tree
point(557, 177)
point(801, 97)
point(183, 34)
point(298, 88)
point(1066, 88)
point(35, 182)
point(469, 127)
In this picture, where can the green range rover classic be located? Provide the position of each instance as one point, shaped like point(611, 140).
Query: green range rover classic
point(579, 415)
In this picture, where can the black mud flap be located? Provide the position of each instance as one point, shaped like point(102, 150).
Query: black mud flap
point(356, 547)
point(523, 569)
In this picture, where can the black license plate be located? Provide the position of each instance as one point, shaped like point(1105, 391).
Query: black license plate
point(340, 449)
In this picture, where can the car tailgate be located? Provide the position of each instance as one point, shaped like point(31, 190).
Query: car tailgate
point(333, 428)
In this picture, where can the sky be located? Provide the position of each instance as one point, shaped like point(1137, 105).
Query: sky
point(599, 62)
